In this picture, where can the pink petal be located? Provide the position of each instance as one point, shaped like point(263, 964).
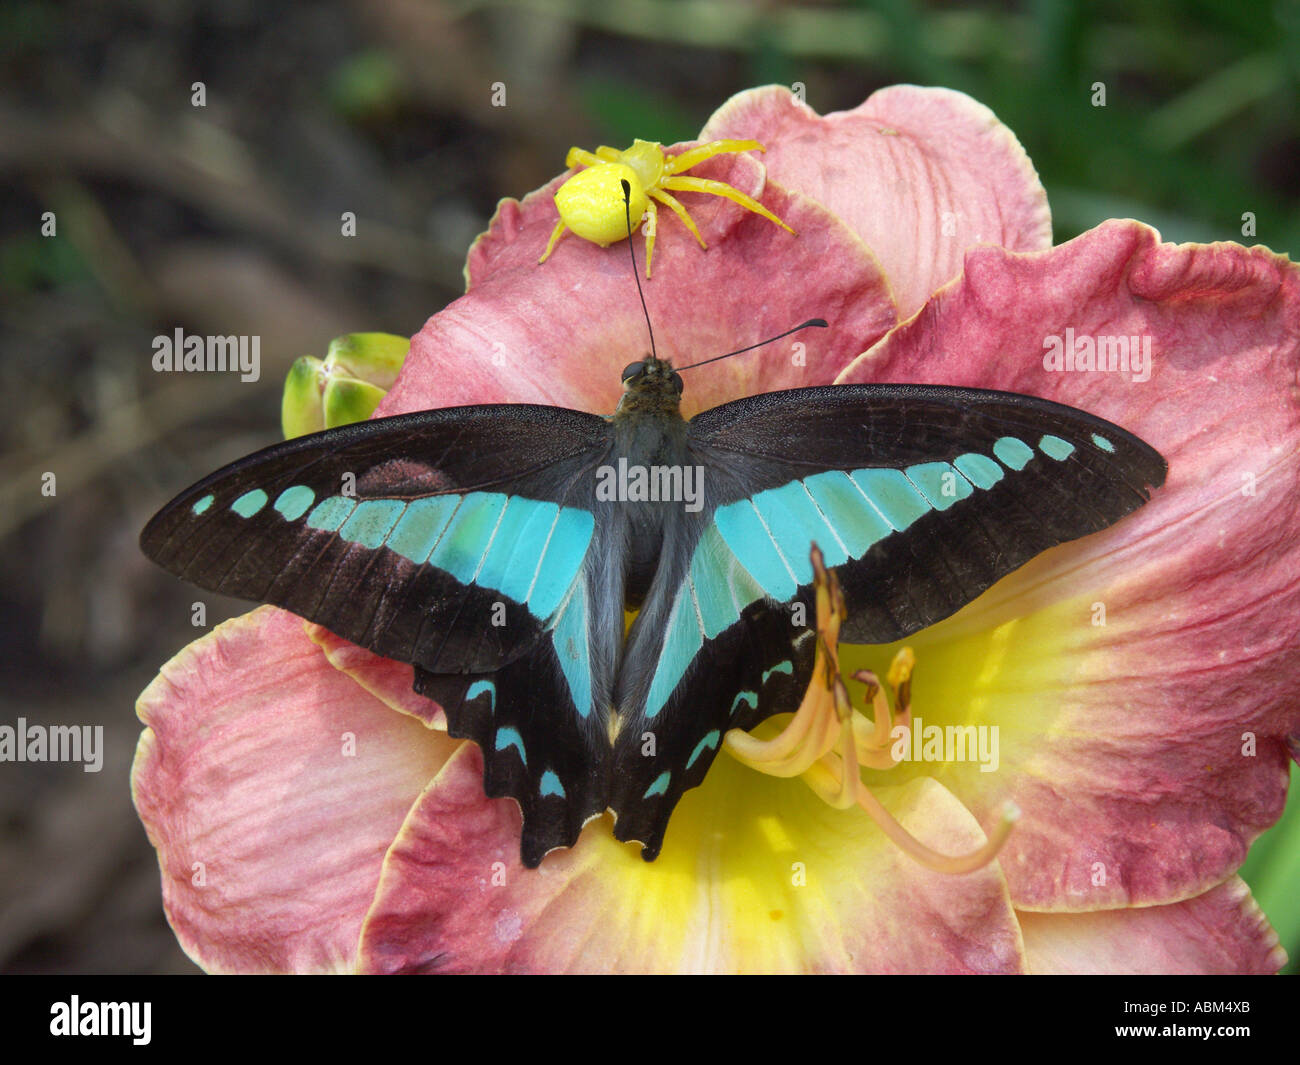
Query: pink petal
point(388, 681)
point(920, 174)
point(243, 767)
point(561, 332)
point(721, 898)
point(1139, 760)
point(1221, 931)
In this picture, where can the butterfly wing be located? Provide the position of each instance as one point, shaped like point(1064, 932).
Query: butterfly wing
point(460, 540)
point(921, 496)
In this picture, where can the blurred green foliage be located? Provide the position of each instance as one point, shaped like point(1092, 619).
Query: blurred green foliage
point(1272, 869)
point(1199, 124)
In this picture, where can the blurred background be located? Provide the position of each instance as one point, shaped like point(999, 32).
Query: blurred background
point(224, 219)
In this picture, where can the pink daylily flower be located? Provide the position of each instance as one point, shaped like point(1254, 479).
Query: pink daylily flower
point(311, 814)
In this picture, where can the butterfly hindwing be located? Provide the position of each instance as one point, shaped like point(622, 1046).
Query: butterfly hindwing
point(540, 720)
point(536, 747)
point(755, 668)
point(709, 652)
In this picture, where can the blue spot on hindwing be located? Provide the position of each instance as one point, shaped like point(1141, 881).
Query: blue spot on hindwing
point(709, 743)
point(1103, 443)
point(781, 667)
point(709, 579)
point(202, 505)
point(749, 698)
point(573, 648)
point(508, 737)
point(478, 688)
point(681, 644)
point(660, 785)
point(723, 587)
point(551, 785)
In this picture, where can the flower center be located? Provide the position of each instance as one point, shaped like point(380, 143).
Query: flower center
point(828, 742)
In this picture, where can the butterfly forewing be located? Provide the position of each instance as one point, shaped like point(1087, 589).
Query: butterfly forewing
point(401, 534)
point(922, 495)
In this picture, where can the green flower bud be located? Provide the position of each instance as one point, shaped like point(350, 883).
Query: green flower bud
point(347, 400)
point(346, 387)
point(373, 357)
point(300, 407)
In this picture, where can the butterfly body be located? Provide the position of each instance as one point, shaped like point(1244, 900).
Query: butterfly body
point(648, 435)
point(496, 549)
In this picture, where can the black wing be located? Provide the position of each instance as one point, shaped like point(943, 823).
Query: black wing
point(460, 540)
point(921, 496)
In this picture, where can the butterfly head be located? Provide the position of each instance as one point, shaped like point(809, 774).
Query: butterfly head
point(651, 385)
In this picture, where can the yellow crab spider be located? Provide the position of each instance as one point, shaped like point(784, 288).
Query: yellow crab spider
point(591, 202)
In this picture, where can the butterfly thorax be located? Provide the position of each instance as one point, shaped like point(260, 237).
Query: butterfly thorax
point(649, 455)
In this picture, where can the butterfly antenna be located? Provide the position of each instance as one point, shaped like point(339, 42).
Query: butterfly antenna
point(636, 274)
point(820, 323)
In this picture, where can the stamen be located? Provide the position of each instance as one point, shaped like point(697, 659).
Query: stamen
point(900, 676)
point(815, 727)
point(850, 779)
point(812, 731)
point(828, 742)
point(883, 717)
point(932, 859)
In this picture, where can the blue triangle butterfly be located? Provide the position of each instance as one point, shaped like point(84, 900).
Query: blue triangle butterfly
point(483, 547)
point(496, 548)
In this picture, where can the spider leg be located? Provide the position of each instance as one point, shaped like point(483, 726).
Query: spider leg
point(582, 157)
point(652, 224)
point(675, 205)
point(677, 163)
point(721, 188)
point(556, 233)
